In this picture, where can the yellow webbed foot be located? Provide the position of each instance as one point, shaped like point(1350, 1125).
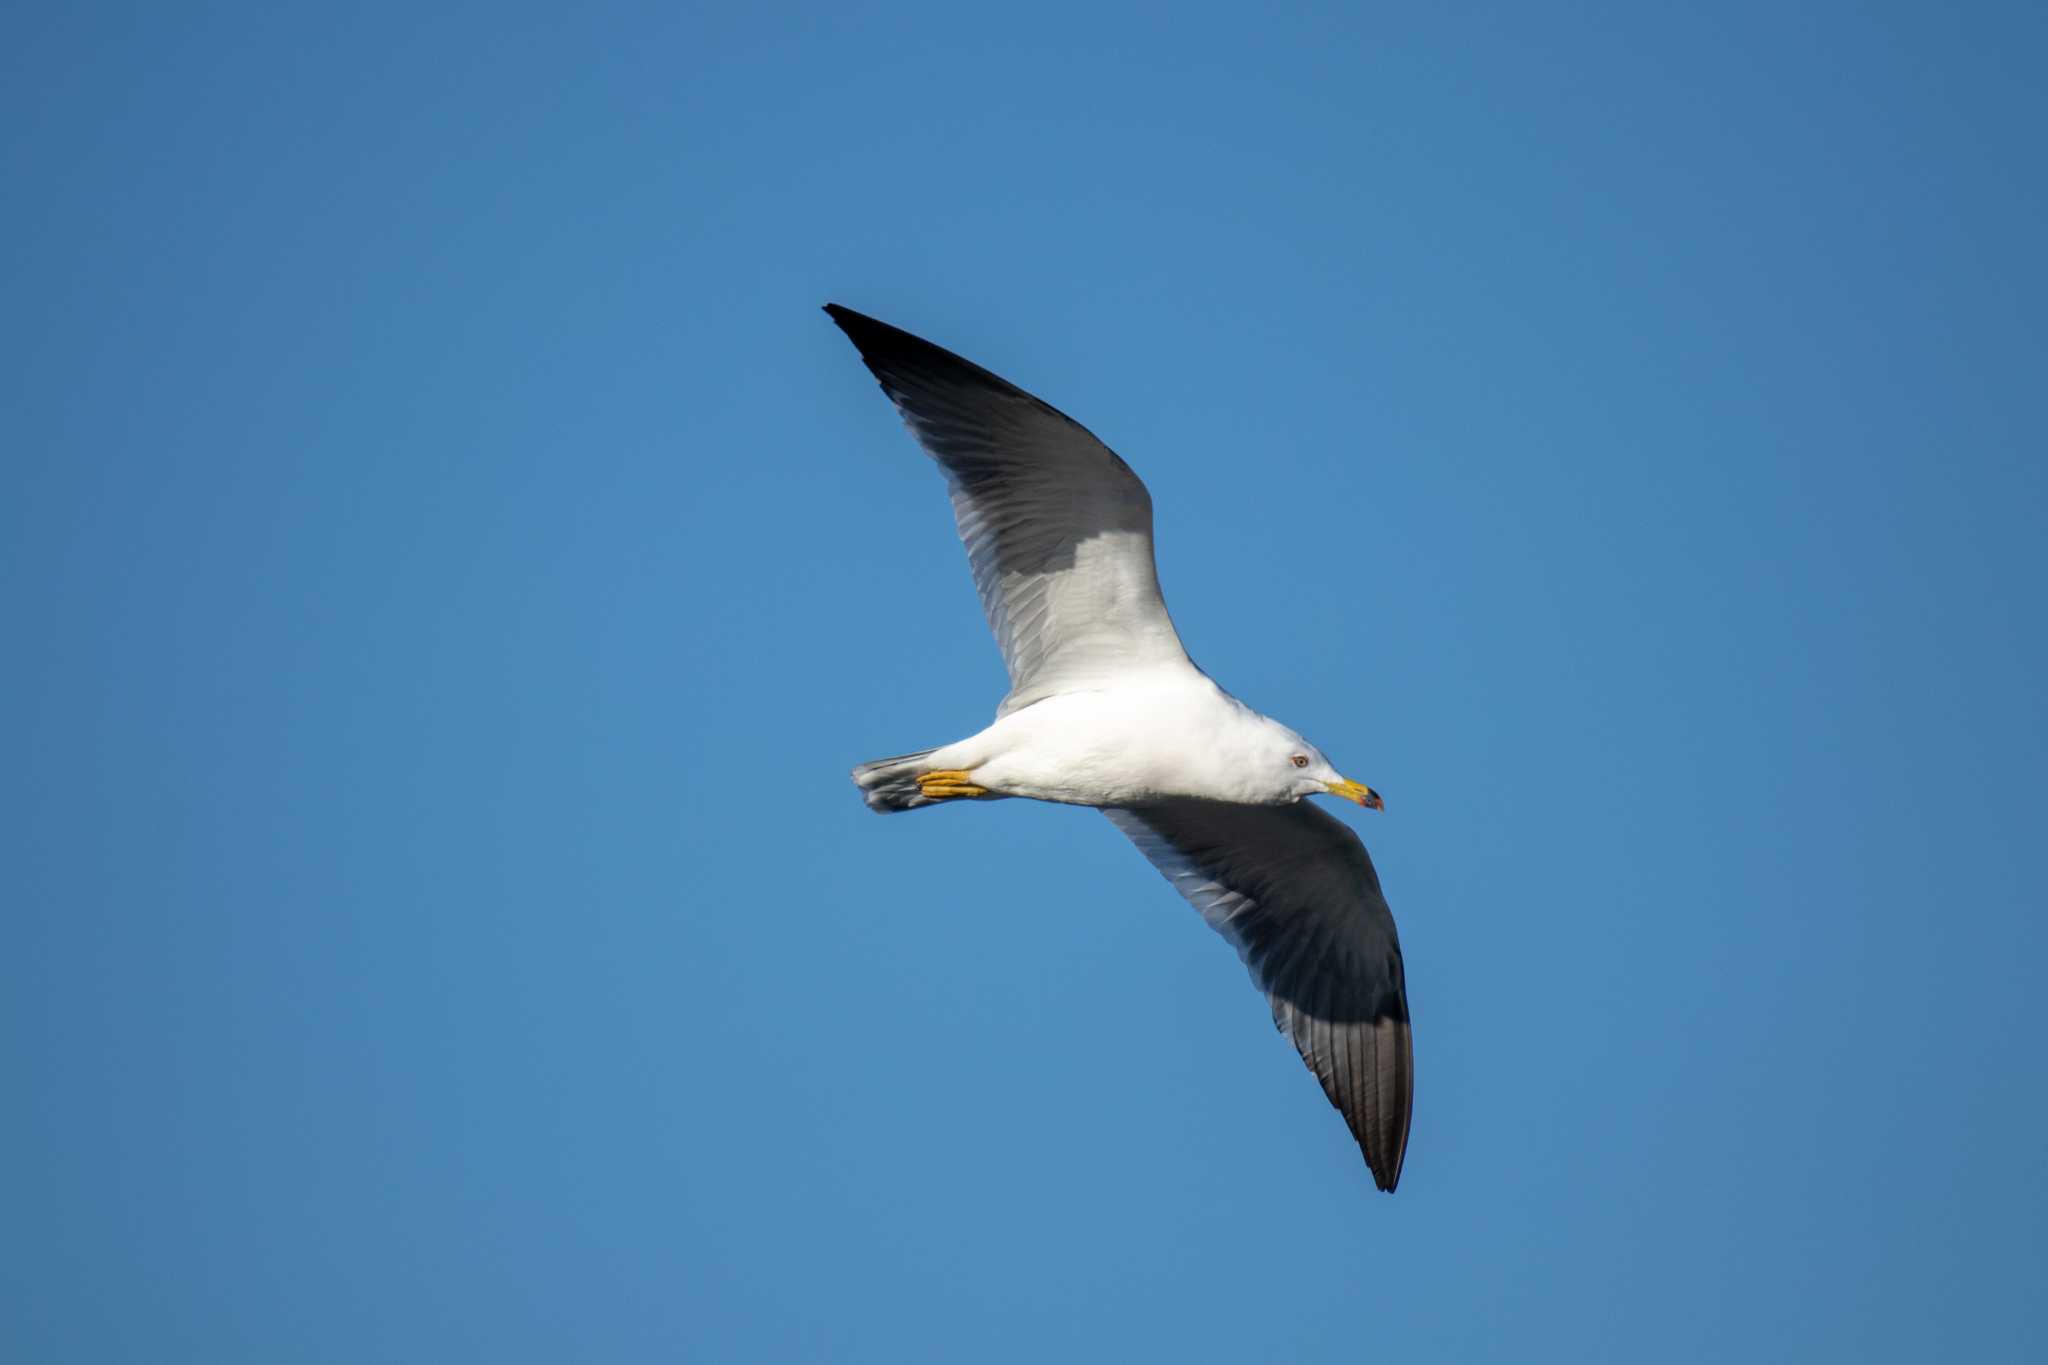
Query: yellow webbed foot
point(946, 784)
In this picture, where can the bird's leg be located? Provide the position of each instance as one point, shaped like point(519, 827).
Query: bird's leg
point(946, 784)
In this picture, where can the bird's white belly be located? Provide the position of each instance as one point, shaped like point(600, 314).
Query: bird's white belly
point(1119, 747)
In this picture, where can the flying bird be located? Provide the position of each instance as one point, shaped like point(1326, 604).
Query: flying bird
point(1105, 709)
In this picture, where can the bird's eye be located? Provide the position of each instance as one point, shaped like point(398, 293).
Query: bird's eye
point(1300, 760)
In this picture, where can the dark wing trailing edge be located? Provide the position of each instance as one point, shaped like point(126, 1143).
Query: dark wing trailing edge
point(1294, 891)
point(1058, 529)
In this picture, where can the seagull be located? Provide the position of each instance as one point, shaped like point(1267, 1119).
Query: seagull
point(1105, 709)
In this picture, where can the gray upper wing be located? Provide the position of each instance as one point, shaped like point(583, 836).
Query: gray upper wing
point(1294, 891)
point(1058, 529)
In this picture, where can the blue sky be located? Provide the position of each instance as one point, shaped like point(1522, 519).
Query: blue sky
point(451, 564)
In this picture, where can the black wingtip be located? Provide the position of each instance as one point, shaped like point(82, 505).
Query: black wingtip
point(867, 332)
point(897, 357)
point(845, 317)
point(840, 315)
point(850, 321)
point(1383, 1179)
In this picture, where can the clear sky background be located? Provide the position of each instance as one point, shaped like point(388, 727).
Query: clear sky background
point(450, 564)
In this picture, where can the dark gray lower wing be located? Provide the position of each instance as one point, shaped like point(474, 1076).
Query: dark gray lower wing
point(1294, 890)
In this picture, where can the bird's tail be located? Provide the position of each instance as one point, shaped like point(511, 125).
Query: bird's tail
point(890, 784)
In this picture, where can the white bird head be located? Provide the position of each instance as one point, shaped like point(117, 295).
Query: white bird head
point(1292, 768)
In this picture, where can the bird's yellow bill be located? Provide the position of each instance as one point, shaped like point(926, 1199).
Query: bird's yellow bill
point(1357, 791)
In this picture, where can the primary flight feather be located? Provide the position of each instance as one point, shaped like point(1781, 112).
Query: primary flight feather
point(1105, 709)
